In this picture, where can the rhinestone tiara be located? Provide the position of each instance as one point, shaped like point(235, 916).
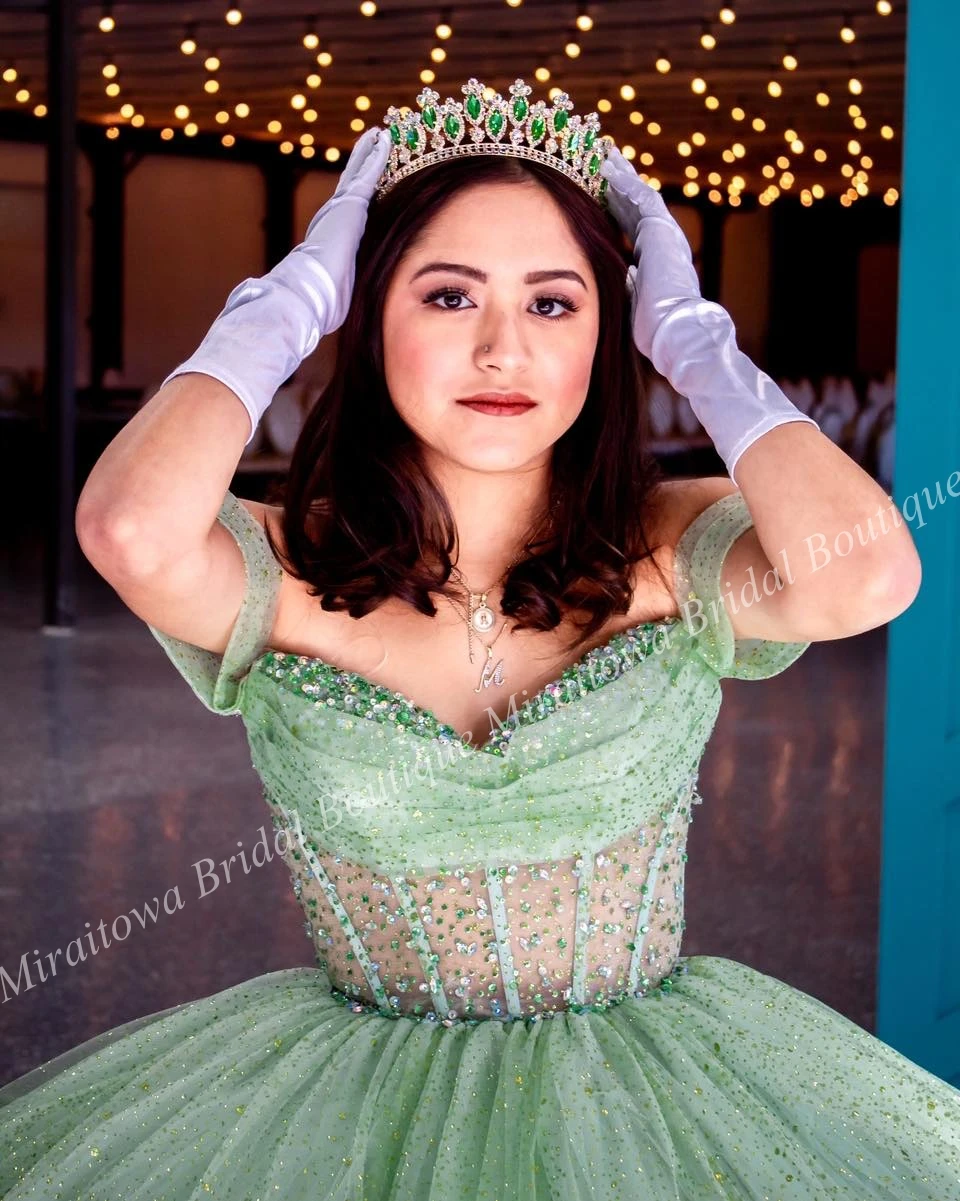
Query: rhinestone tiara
point(547, 134)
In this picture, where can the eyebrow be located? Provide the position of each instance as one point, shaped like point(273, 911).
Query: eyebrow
point(532, 277)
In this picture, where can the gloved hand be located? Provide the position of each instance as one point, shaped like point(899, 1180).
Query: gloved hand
point(270, 324)
point(689, 340)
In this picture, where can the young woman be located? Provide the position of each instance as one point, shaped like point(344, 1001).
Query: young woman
point(477, 649)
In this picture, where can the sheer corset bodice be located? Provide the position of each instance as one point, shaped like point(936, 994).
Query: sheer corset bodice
point(510, 941)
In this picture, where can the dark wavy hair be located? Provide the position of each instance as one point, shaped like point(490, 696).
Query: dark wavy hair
point(362, 519)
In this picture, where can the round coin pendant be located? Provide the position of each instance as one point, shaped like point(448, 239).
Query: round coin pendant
point(483, 618)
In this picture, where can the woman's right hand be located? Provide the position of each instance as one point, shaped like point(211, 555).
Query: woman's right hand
point(270, 324)
point(334, 234)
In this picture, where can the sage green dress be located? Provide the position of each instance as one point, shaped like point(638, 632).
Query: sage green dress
point(500, 1009)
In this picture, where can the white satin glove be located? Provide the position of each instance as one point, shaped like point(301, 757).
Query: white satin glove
point(270, 324)
point(689, 340)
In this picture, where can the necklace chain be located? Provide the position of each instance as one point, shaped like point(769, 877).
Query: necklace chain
point(482, 618)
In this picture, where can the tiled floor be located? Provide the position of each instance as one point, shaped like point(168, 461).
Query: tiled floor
point(116, 782)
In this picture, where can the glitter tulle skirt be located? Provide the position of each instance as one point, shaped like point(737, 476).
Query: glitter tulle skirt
point(728, 1084)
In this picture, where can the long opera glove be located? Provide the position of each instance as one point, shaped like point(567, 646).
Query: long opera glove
point(690, 340)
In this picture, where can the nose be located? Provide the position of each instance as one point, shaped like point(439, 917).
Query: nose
point(503, 343)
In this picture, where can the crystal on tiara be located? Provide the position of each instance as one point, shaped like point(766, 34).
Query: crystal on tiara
point(546, 134)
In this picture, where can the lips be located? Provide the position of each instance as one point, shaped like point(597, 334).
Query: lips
point(501, 400)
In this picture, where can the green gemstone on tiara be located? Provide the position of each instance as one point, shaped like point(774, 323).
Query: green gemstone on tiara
point(496, 122)
point(430, 117)
point(559, 120)
point(451, 125)
point(520, 108)
point(473, 106)
point(538, 127)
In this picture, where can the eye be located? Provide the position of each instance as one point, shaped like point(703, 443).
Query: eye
point(563, 301)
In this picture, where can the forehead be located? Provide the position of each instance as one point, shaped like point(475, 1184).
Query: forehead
point(520, 222)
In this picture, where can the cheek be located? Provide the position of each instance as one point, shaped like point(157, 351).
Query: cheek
point(571, 365)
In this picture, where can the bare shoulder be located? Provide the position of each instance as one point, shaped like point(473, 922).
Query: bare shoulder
point(293, 601)
point(682, 501)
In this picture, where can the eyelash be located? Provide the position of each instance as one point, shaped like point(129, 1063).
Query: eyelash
point(561, 300)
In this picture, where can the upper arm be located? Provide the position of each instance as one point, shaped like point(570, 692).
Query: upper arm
point(757, 599)
point(714, 553)
point(217, 608)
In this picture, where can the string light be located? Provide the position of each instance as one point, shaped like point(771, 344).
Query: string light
point(444, 29)
point(368, 8)
point(242, 109)
point(310, 39)
point(707, 40)
point(584, 20)
point(189, 43)
point(847, 32)
point(212, 63)
point(233, 16)
point(107, 24)
point(572, 50)
point(727, 15)
point(9, 74)
point(324, 58)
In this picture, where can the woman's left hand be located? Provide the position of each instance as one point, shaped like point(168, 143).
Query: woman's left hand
point(664, 275)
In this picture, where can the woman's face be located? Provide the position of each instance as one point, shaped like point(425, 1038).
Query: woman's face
point(437, 322)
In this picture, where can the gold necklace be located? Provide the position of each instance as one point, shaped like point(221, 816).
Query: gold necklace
point(480, 618)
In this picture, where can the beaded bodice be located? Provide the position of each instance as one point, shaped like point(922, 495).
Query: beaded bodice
point(541, 872)
point(517, 940)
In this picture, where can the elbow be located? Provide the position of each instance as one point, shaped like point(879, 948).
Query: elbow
point(113, 544)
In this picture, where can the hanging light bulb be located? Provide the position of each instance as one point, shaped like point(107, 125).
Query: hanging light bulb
point(727, 15)
point(107, 23)
point(444, 29)
point(233, 15)
point(847, 32)
point(584, 20)
point(310, 39)
point(189, 43)
point(707, 40)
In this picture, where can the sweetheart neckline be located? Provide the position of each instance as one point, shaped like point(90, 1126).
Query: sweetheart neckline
point(511, 723)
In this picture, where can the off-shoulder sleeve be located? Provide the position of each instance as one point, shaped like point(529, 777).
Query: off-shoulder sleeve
point(216, 679)
point(698, 564)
